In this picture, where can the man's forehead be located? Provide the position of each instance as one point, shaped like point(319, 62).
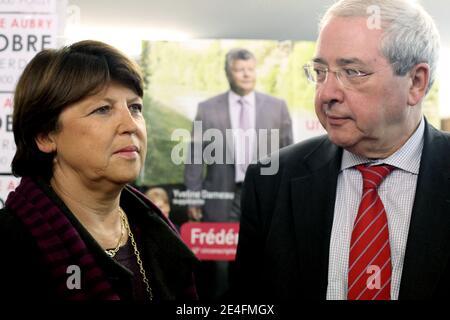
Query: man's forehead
point(246, 62)
point(340, 61)
point(243, 60)
point(348, 40)
point(349, 31)
point(362, 23)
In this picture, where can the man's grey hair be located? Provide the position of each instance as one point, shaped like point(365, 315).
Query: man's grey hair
point(236, 54)
point(410, 34)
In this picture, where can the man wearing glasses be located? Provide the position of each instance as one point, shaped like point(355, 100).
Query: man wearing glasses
point(362, 213)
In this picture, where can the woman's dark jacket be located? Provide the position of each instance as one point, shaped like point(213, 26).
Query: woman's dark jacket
point(169, 264)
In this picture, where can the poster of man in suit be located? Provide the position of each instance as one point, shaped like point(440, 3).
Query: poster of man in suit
point(255, 121)
point(188, 79)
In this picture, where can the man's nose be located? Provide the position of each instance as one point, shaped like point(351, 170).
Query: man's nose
point(331, 90)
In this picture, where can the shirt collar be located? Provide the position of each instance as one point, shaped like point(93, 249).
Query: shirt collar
point(406, 158)
point(249, 98)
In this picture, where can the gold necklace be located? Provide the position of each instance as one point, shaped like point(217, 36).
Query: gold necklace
point(137, 254)
point(112, 252)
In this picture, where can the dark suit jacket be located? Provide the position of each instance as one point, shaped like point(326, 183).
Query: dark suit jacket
point(271, 113)
point(287, 218)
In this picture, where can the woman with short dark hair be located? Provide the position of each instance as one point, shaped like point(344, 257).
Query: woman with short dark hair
point(73, 229)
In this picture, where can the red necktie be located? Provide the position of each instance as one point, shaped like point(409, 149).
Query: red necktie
point(369, 273)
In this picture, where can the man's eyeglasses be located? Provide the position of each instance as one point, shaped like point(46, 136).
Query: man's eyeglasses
point(348, 77)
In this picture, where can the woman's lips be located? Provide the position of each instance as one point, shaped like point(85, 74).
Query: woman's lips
point(131, 152)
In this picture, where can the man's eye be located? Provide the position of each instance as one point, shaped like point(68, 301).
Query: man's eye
point(353, 73)
point(320, 73)
point(136, 107)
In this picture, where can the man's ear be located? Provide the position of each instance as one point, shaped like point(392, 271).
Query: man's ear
point(420, 77)
point(46, 142)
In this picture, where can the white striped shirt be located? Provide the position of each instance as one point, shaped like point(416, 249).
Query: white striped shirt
point(397, 192)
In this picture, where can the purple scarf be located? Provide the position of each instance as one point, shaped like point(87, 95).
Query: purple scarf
point(59, 242)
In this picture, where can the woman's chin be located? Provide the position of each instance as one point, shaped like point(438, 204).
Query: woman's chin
point(125, 179)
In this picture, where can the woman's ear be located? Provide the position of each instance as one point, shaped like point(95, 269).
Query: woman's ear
point(420, 78)
point(46, 142)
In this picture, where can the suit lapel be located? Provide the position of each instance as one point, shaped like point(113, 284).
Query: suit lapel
point(223, 116)
point(313, 198)
point(428, 247)
point(262, 122)
point(260, 112)
point(223, 112)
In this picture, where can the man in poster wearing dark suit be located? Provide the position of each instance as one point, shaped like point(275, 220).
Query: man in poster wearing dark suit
point(364, 211)
point(223, 112)
point(238, 110)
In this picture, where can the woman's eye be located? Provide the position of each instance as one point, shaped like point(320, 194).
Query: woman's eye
point(136, 107)
point(102, 110)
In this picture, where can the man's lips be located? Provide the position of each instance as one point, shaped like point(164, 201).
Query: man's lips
point(337, 120)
